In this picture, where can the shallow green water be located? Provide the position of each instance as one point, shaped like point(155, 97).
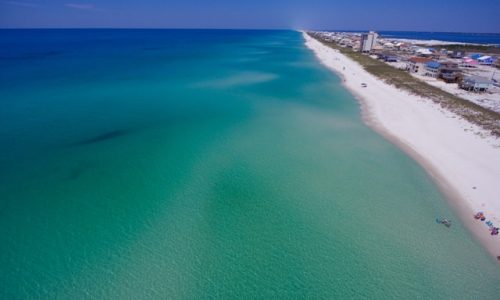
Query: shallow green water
point(210, 164)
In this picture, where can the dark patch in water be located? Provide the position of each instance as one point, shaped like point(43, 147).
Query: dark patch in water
point(78, 170)
point(102, 137)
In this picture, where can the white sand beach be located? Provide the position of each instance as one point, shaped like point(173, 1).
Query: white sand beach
point(462, 158)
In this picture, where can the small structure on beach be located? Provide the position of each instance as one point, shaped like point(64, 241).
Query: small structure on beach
point(401, 46)
point(424, 52)
point(432, 69)
point(468, 62)
point(417, 65)
point(457, 54)
point(485, 60)
point(450, 72)
point(389, 46)
point(475, 83)
point(447, 70)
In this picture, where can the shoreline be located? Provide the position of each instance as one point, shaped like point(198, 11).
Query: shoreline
point(450, 149)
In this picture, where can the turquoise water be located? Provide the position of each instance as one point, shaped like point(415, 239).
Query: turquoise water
point(209, 164)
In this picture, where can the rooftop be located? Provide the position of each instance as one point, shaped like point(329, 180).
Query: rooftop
point(433, 64)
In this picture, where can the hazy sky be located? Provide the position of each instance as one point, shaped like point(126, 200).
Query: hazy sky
point(423, 15)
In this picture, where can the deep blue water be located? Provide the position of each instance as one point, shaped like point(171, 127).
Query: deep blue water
point(209, 164)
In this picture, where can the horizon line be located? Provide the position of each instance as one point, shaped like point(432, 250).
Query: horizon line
point(218, 28)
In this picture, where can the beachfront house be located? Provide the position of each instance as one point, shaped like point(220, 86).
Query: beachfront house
point(417, 65)
point(468, 62)
point(368, 41)
point(424, 52)
point(450, 72)
point(475, 83)
point(432, 69)
point(485, 60)
point(457, 54)
point(389, 46)
point(403, 46)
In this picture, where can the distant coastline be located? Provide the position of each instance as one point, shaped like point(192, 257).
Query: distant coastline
point(446, 37)
point(441, 37)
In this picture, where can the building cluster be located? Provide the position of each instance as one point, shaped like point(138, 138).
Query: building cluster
point(465, 69)
point(449, 71)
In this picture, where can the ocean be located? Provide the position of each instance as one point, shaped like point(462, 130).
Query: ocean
point(192, 164)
